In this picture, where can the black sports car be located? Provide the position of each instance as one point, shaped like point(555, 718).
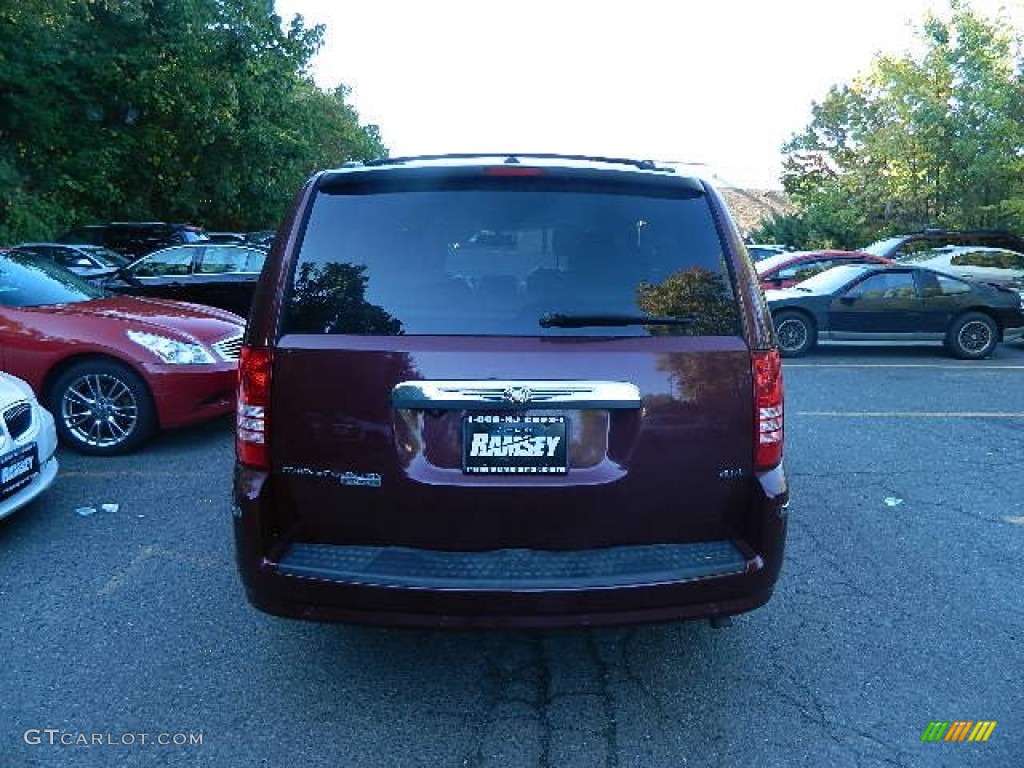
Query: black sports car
point(895, 305)
point(216, 274)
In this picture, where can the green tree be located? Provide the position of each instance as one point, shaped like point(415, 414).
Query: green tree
point(197, 110)
point(934, 138)
point(698, 294)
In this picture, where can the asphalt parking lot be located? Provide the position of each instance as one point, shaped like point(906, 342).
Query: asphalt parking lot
point(899, 605)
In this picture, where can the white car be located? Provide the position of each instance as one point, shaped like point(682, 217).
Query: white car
point(28, 442)
point(973, 262)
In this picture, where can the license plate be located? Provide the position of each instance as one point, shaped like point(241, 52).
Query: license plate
point(17, 469)
point(508, 444)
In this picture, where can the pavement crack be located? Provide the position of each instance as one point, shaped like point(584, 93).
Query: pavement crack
point(610, 730)
point(801, 696)
point(544, 700)
point(507, 685)
point(628, 668)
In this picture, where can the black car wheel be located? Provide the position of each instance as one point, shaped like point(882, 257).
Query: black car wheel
point(102, 407)
point(972, 336)
point(795, 332)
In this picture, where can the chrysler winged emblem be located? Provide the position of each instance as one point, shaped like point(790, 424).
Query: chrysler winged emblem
point(517, 394)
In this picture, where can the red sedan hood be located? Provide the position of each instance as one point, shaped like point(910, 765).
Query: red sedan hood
point(202, 323)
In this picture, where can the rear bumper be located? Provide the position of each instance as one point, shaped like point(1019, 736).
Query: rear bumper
point(510, 588)
point(476, 611)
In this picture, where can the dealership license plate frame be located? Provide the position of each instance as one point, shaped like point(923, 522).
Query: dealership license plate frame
point(523, 431)
point(16, 482)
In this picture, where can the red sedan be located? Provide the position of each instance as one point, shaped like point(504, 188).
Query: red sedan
point(790, 268)
point(113, 369)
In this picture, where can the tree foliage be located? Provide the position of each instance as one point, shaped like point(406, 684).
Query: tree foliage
point(189, 110)
point(934, 138)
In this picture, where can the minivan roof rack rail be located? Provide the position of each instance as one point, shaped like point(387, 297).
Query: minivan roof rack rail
point(513, 157)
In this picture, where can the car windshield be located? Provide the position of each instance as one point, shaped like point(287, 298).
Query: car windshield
point(29, 281)
point(831, 280)
point(498, 258)
point(759, 252)
point(925, 255)
point(106, 256)
point(883, 247)
point(771, 262)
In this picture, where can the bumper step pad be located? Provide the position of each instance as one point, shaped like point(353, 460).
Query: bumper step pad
point(513, 569)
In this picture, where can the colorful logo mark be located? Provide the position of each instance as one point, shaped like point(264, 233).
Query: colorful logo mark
point(958, 730)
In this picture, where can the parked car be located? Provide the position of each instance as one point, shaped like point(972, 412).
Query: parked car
point(236, 238)
point(786, 269)
point(135, 238)
point(898, 247)
point(989, 265)
point(113, 369)
point(28, 445)
point(575, 421)
point(264, 238)
point(89, 261)
point(760, 251)
point(892, 305)
point(215, 274)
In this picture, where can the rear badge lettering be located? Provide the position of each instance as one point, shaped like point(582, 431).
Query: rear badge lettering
point(367, 480)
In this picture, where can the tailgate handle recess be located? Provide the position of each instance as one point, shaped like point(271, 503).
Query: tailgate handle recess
point(491, 394)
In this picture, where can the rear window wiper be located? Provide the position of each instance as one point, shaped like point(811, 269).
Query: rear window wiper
point(559, 320)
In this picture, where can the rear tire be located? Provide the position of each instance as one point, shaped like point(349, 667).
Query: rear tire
point(795, 332)
point(102, 408)
point(972, 336)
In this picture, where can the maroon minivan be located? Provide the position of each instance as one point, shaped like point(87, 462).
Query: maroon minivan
point(509, 391)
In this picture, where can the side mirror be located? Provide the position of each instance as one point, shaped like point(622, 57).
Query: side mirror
point(126, 276)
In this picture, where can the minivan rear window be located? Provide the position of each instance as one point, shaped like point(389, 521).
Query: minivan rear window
point(535, 256)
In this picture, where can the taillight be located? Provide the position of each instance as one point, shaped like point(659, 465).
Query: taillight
point(768, 415)
point(253, 400)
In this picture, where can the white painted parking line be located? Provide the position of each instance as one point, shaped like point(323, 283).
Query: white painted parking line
point(941, 366)
point(915, 414)
point(129, 473)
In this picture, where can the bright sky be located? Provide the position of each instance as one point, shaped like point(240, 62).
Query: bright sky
point(722, 84)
